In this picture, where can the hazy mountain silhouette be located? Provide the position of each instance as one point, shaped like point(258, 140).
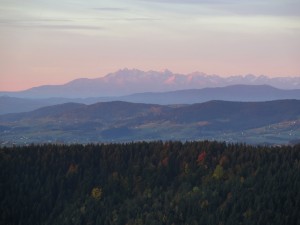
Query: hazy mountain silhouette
point(230, 93)
point(126, 82)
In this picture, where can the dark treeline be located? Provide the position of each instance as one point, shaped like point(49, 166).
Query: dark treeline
point(150, 183)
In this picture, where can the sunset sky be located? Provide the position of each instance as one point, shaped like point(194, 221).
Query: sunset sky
point(55, 41)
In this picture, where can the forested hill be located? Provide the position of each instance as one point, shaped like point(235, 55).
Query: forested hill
point(275, 122)
point(150, 183)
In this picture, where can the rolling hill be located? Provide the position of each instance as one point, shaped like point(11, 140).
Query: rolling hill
point(242, 93)
point(278, 121)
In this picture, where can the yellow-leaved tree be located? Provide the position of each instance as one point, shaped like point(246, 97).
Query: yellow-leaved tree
point(218, 173)
point(96, 193)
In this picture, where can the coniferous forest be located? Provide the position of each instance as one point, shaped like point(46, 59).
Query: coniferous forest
point(150, 183)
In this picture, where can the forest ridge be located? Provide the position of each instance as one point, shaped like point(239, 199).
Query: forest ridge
point(161, 183)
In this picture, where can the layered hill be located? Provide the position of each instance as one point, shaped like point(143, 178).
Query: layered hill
point(257, 122)
point(242, 93)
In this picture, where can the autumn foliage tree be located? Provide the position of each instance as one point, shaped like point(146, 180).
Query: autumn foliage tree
point(150, 183)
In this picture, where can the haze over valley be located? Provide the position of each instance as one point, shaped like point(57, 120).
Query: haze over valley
point(59, 54)
point(149, 112)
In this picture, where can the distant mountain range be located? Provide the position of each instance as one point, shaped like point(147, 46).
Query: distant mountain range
point(127, 82)
point(242, 93)
point(251, 122)
point(133, 105)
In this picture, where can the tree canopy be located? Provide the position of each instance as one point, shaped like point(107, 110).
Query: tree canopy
point(150, 183)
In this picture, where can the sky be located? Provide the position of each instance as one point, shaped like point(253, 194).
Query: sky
point(55, 41)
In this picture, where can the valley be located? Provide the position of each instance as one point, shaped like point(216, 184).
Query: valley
point(272, 122)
